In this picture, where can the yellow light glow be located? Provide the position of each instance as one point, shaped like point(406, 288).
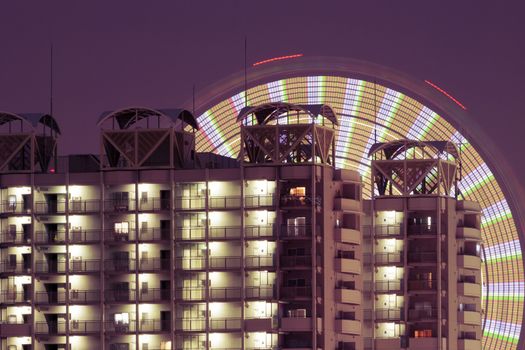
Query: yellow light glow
point(19, 280)
point(75, 191)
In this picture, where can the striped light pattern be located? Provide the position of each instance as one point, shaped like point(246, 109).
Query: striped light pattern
point(369, 113)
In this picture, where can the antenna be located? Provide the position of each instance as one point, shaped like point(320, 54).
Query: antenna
point(245, 71)
point(51, 79)
point(375, 112)
point(193, 100)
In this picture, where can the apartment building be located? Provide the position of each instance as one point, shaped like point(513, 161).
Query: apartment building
point(151, 245)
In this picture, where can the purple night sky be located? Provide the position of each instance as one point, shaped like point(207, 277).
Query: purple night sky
point(115, 54)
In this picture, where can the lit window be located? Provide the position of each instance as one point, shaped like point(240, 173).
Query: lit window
point(122, 318)
point(298, 191)
point(122, 227)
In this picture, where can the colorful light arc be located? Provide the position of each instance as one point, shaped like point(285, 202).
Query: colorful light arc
point(398, 115)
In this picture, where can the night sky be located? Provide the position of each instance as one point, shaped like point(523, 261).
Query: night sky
point(114, 54)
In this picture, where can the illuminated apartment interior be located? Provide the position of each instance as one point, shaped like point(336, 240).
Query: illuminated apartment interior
point(154, 246)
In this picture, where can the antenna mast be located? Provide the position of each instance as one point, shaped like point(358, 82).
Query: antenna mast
point(51, 79)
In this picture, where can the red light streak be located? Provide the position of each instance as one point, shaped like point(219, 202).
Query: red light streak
point(445, 93)
point(278, 59)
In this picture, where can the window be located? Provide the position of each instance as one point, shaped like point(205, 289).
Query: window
point(121, 318)
point(11, 202)
point(122, 227)
point(298, 191)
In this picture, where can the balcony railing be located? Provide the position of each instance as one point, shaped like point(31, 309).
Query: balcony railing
point(75, 327)
point(224, 202)
point(190, 203)
point(260, 292)
point(190, 324)
point(190, 233)
point(121, 328)
point(111, 235)
point(226, 232)
point(422, 314)
point(296, 231)
point(259, 261)
point(119, 205)
point(154, 264)
point(421, 229)
point(84, 296)
point(50, 208)
point(13, 297)
point(84, 206)
point(154, 325)
point(262, 231)
point(257, 201)
point(154, 234)
point(7, 207)
point(299, 201)
point(392, 314)
point(12, 267)
point(154, 295)
point(50, 298)
point(154, 204)
point(119, 295)
point(15, 237)
point(224, 262)
point(422, 285)
point(389, 286)
point(388, 258)
point(422, 257)
point(225, 324)
point(387, 230)
point(75, 236)
point(195, 263)
point(119, 265)
point(223, 293)
point(293, 261)
point(296, 292)
point(190, 294)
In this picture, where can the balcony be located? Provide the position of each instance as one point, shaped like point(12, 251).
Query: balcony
point(190, 294)
point(225, 324)
point(154, 295)
point(224, 262)
point(263, 292)
point(347, 204)
point(50, 208)
point(112, 236)
point(224, 202)
point(469, 262)
point(425, 343)
point(389, 315)
point(469, 317)
point(348, 296)
point(15, 329)
point(192, 264)
point(388, 343)
point(154, 264)
point(259, 262)
point(298, 202)
point(225, 293)
point(352, 327)
point(296, 292)
point(190, 203)
point(84, 206)
point(231, 232)
point(14, 297)
point(424, 314)
point(258, 201)
point(344, 265)
point(119, 296)
point(15, 237)
point(469, 289)
point(259, 231)
point(422, 285)
point(120, 265)
point(468, 233)
point(422, 258)
point(190, 233)
point(190, 324)
point(347, 235)
point(394, 258)
point(154, 234)
point(296, 261)
point(296, 231)
point(469, 344)
point(154, 204)
point(119, 205)
point(154, 326)
point(50, 298)
point(389, 286)
point(422, 229)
